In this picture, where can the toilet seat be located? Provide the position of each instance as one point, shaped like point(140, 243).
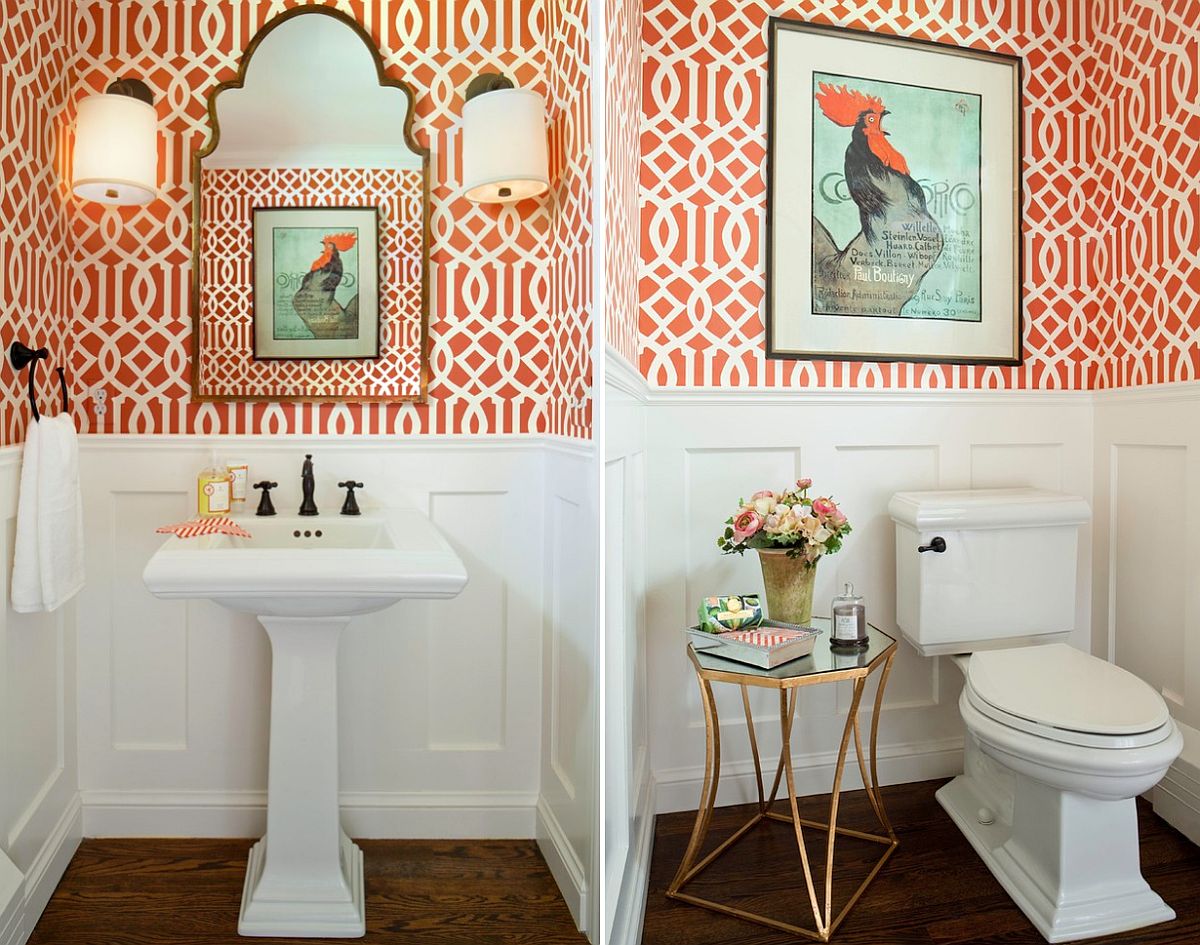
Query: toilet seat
point(1062, 694)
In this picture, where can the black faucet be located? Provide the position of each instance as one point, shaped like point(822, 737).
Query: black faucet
point(308, 484)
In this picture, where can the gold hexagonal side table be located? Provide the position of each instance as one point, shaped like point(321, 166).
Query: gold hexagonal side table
point(825, 665)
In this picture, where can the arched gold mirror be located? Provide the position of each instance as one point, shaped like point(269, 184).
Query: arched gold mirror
point(310, 224)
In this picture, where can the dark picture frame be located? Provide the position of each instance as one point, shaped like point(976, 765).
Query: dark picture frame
point(867, 257)
point(315, 273)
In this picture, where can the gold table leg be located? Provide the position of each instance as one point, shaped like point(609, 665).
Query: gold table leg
point(826, 922)
point(708, 792)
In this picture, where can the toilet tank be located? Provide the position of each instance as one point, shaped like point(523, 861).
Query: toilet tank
point(1006, 576)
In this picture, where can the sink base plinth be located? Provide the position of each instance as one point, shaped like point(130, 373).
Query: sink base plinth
point(337, 911)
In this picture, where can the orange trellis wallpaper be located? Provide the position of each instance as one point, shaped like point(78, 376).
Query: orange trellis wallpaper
point(622, 105)
point(1110, 126)
point(34, 245)
point(1146, 144)
point(571, 235)
point(508, 351)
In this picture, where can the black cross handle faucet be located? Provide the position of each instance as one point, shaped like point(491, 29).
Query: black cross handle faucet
point(265, 505)
point(350, 506)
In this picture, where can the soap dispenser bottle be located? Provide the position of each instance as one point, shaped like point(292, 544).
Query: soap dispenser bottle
point(214, 491)
point(849, 620)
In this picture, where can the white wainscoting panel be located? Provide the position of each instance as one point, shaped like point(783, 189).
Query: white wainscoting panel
point(440, 702)
point(629, 791)
point(1147, 550)
point(705, 449)
point(568, 805)
point(39, 802)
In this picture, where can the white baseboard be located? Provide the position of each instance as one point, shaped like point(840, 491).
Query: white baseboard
point(365, 815)
point(12, 901)
point(631, 903)
point(679, 788)
point(1177, 801)
point(18, 920)
point(565, 867)
point(1176, 797)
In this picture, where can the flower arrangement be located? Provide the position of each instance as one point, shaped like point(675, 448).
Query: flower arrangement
point(806, 528)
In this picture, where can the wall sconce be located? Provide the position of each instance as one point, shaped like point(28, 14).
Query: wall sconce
point(504, 142)
point(116, 145)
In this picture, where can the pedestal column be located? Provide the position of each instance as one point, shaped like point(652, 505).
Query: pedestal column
point(305, 876)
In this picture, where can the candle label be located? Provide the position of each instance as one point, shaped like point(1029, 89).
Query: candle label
point(845, 627)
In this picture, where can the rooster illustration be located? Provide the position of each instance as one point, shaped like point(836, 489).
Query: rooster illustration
point(314, 301)
point(881, 269)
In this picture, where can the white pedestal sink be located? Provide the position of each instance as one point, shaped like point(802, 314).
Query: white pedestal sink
point(305, 578)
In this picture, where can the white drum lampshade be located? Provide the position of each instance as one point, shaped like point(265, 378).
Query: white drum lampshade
point(116, 150)
point(504, 152)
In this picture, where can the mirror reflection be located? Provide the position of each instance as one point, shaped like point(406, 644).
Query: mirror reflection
point(311, 225)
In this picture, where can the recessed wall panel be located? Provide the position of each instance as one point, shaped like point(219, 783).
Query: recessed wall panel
point(149, 665)
point(863, 483)
point(1148, 563)
point(1001, 465)
point(618, 641)
point(468, 667)
point(32, 704)
point(714, 481)
point(571, 662)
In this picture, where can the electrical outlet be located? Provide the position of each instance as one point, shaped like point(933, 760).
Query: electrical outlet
point(100, 401)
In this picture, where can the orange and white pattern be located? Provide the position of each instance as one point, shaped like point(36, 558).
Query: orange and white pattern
point(198, 527)
point(503, 358)
point(228, 198)
point(34, 245)
point(623, 109)
point(1147, 147)
point(570, 102)
point(775, 636)
point(704, 191)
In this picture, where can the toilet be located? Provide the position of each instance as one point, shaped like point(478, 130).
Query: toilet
point(1059, 743)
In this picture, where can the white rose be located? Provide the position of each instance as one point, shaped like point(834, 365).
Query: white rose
point(763, 506)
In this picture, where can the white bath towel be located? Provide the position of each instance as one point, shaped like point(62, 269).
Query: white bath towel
point(48, 558)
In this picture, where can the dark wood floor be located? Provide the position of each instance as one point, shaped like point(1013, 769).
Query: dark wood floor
point(419, 892)
point(933, 891)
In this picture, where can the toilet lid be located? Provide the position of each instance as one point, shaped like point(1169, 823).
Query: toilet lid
point(1063, 688)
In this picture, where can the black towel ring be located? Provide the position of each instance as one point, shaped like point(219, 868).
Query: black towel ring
point(62, 383)
point(21, 356)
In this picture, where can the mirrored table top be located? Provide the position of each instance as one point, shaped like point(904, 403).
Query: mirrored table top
point(824, 664)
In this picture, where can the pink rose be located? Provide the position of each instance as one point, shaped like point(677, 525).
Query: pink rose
point(824, 507)
point(746, 524)
point(837, 519)
point(803, 483)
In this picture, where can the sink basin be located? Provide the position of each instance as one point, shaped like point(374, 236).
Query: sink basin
point(305, 577)
point(307, 566)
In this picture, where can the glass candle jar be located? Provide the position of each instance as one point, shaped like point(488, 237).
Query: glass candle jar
point(848, 626)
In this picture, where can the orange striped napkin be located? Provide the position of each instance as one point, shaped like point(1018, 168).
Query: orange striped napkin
point(764, 638)
point(204, 526)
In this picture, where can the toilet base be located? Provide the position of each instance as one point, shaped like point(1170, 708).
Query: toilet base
point(1069, 862)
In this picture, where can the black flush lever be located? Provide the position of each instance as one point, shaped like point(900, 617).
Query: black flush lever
point(937, 545)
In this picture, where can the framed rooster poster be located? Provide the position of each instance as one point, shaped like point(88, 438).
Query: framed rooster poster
point(316, 282)
point(893, 199)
